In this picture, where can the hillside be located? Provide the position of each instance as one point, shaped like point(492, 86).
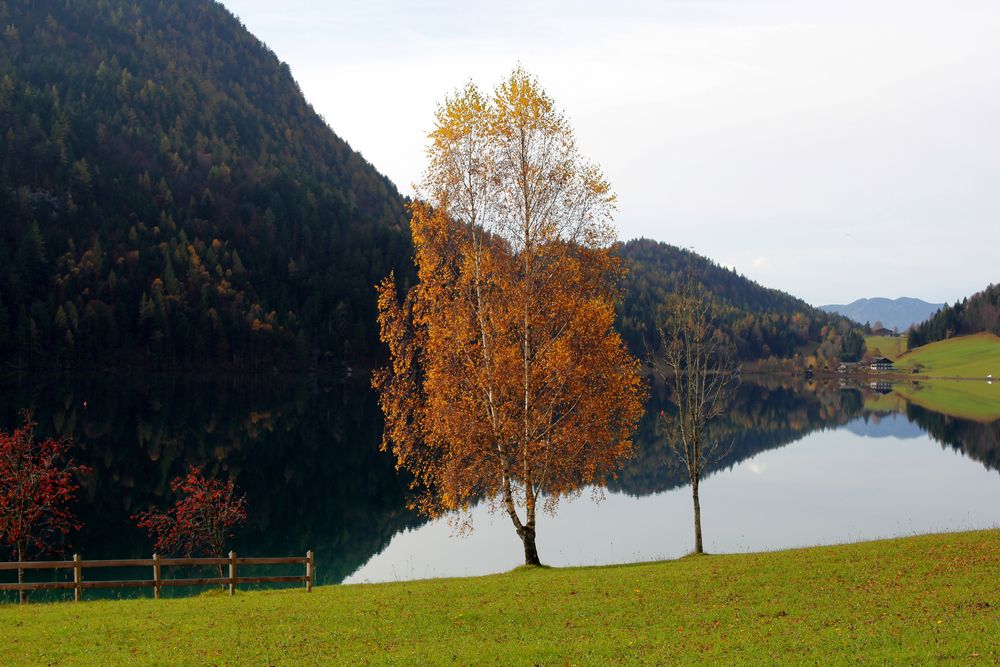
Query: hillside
point(898, 314)
point(169, 198)
point(891, 347)
point(763, 322)
point(973, 356)
point(979, 313)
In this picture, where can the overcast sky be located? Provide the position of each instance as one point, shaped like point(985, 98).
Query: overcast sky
point(835, 150)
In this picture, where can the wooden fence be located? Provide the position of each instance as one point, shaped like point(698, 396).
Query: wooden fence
point(156, 563)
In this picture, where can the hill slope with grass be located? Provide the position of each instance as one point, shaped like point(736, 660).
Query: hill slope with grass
point(975, 356)
point(917, 600)
point(980, 313)
point(890, 347)
point(956, 369)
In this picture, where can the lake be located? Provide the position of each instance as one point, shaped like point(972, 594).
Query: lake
point(809, 464)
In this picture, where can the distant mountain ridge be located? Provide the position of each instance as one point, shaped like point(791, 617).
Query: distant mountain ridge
point(901, 313)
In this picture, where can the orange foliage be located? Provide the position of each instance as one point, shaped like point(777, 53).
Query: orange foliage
point(507, 380)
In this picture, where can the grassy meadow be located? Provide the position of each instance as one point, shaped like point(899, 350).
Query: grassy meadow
point(973, 356)
point(952, 372)
point(890, 347)
point(916, 600)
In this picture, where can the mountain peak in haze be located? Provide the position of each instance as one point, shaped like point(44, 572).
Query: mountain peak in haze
point(899, 313)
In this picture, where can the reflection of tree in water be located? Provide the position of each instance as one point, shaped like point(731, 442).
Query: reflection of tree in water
point(305, 453)
point(980, 442)
point(763, 415)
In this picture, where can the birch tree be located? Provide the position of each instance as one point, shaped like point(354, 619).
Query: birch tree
point(507, 382)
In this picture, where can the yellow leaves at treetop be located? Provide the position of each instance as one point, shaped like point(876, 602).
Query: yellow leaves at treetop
point(507, 381)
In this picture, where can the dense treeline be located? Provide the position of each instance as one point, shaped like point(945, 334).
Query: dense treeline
point(975, 314)
point(167, 196)
point(761, 322)
point(980, 442)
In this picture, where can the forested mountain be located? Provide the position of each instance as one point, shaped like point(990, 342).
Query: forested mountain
point(168, 197)
point(976, 314)
point(901, 313)
point(761, 322)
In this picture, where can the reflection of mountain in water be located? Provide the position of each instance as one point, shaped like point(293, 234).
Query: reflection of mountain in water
point(885, 425)
point(306, 452)
point(306, 455)
point(766, 415)
point(763, 415)
point(980, 442)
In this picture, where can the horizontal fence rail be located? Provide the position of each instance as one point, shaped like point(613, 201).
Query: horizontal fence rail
point(156, 563)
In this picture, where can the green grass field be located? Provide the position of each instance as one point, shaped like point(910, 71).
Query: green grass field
point(917, 600)
point(890, 347)
point(973, 356)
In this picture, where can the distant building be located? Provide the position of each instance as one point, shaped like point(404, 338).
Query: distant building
point(842, 368)
point(884, 332)
point(881, 364)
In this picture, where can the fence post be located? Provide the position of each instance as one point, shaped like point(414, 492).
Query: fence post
point(310, 571)
point(232, 573)
point(156, 576)
point(77, 578)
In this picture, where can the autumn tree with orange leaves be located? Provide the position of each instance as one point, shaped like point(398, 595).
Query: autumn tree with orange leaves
point(507, 382)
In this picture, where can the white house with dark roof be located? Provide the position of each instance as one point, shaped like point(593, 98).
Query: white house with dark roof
point(881, 364)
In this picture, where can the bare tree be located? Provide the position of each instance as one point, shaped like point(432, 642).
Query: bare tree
point(697, 365)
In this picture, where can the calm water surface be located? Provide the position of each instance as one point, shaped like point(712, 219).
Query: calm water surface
point(831, 486)
point(808, 466)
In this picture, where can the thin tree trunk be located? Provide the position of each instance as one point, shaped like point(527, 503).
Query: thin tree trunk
point(697, 518)
point(526, 530)
point(528, 535)
point(22, 595)
point(218, 554)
